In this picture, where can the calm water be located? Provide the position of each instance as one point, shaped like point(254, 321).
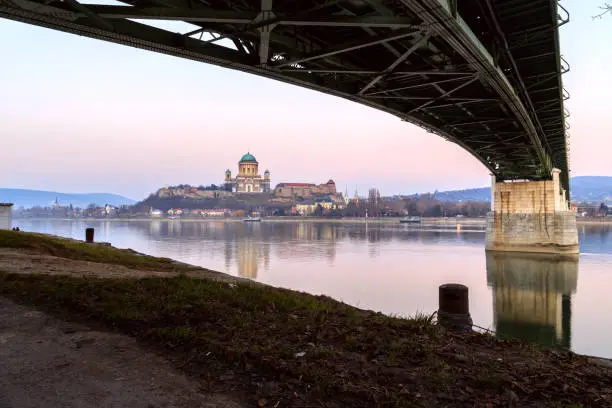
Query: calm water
point(393, 268)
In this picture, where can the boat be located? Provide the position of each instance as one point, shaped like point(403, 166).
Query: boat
point(411, 220)
point(252, 219)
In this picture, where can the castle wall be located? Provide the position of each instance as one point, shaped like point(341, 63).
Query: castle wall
point(290, 190)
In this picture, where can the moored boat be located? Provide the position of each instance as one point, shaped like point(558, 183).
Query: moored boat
point(252, 219)
point(411, 220)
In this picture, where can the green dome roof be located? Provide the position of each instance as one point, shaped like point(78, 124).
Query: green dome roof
point(248, 158)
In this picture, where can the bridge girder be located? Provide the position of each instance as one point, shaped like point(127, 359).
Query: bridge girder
point(498, 94)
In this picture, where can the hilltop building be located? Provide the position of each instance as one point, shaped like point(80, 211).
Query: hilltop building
point(304, 190)
point(248, 179)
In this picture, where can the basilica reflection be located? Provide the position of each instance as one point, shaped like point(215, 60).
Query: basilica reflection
point(249, 256)
point(532, 296)
point(250, 244)
point(247, 249)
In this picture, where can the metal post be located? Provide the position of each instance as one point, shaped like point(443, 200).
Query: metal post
point(89, 235)
point(454, 307)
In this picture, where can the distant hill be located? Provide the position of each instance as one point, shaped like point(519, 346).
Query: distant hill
point(472, 194)
point(583, 188)
point(591, 188)
point(31, 198)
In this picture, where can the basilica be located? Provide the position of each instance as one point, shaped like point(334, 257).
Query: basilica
point(248, 179)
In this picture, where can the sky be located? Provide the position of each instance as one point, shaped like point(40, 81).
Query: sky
point(82, 115)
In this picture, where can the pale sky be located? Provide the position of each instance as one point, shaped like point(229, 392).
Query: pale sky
point(82, 115)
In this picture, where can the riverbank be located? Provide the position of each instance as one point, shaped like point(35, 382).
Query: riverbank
point(386, 220)
point(270, 347)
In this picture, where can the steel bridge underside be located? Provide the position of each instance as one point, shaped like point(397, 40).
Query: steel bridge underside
point(485, 74)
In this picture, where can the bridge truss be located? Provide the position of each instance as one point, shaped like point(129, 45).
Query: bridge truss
point(485, 74)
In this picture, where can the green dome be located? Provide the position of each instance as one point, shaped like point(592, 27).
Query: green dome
point(248, 158)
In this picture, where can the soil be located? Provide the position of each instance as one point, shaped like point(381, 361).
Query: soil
point(45, 362)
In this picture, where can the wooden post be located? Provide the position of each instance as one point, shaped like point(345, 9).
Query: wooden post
point(454, 307)
point(89, 235)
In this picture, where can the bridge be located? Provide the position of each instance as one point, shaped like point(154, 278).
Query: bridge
point(484, 74)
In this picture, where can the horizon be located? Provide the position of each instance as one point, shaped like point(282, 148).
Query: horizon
point(435, 190)
point(175, 133)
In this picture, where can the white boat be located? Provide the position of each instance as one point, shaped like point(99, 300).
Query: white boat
point(252, 219)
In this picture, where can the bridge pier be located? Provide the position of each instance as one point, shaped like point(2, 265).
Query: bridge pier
point(531, 216)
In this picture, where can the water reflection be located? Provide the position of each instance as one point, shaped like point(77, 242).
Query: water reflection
point(246, 248)
point(595, 237)
point(532, 296)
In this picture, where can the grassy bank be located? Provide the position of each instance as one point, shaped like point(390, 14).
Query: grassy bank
point(279, 348)
point(72, 249)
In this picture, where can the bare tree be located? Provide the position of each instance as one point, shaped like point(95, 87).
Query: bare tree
point(605, 9)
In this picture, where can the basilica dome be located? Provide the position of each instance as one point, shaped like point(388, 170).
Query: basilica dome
point(248, 158)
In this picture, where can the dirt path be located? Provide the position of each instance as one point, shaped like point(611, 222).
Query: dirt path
point(29, 262)
point(48, 363)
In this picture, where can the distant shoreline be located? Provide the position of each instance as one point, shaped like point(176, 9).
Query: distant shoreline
point(390, 220)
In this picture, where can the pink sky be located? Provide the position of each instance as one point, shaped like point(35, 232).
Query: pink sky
point(82, 115)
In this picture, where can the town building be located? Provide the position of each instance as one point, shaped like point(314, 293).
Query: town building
point(110, 210)
point(156, 213)
point(216, 212)
point(304, 190)
point(309, 207)
point(248, 179)
point(175, 212)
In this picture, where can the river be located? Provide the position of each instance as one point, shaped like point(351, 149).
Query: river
point(393, 268)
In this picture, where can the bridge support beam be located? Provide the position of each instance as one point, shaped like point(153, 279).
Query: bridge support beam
point(531, 216)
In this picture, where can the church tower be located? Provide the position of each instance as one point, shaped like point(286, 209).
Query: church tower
point(266, 182)
point(228, 184)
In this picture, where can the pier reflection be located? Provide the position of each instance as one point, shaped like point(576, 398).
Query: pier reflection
point(532, 296)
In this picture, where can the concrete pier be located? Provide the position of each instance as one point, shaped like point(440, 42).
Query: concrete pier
point(531, 216)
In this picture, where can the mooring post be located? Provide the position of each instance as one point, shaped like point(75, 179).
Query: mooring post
point(454, 307)
point(89, 235)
